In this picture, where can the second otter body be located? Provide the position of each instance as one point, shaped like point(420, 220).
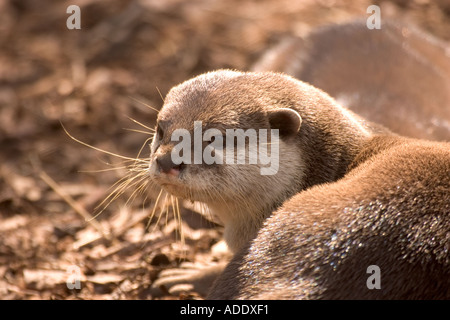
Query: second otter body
point(397, 76)
point(391, 213)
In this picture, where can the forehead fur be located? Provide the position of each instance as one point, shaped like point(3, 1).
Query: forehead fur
point(230, 98)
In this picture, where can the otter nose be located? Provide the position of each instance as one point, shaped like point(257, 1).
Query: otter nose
point(166, 164)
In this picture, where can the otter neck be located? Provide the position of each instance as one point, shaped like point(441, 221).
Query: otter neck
point(328, 153)
point(241, 224)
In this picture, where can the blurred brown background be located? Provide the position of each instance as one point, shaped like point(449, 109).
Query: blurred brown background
point(90, 80)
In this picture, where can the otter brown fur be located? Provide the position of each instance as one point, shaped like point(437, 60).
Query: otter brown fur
point(398, 76)
point(391, 210)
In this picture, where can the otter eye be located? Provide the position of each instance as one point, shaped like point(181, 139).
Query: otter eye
point(159, 132)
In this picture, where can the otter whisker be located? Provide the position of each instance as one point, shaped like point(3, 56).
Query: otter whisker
point(155, 206)
point(162, 98)
point(136, 190)
point(139, 131)
point(103, 170)
point(176, 217)
point(95, 148)
point(141, 124)
point(165, 208)
point(177, 206)
point(142, 148)
point(120, 187)
point(143, 103)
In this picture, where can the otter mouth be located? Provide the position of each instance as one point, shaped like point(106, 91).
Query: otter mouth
point(174, 188)
point(173, 181)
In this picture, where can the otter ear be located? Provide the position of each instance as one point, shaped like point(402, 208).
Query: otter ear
point(286, 120)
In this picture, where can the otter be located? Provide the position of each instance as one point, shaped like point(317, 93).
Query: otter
point(390, 213)
point(318, 140)
point(397, 76)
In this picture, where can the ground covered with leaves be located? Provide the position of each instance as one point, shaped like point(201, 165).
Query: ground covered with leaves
point(91, 82)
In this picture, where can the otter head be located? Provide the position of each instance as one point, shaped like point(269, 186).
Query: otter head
point(228, 139)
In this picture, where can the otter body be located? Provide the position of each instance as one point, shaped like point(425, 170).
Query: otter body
point(355, 195)
point(391, 211)
point(318, 140)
